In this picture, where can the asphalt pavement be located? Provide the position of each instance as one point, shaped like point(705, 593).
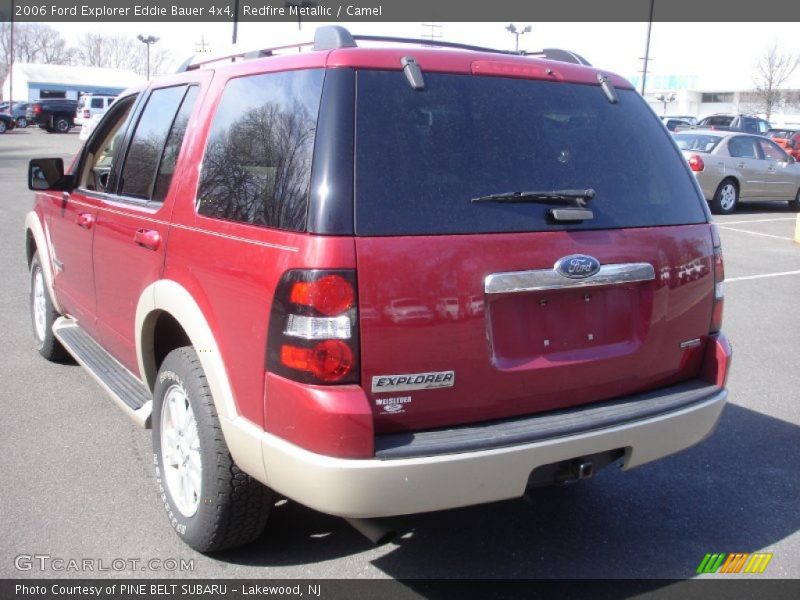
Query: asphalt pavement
point(76, 476)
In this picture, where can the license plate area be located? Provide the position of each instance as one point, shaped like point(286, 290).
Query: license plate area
point(561, 325)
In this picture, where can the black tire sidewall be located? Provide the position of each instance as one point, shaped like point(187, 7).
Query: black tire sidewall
point(57, 125)
point(717, 204)
point(177, 369)
point(22, 123)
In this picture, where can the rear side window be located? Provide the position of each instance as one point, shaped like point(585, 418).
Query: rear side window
point(717, 121)
point(257, 165)
point(697, 142)
point(421, 156)
point(743, 147)
point(172, 148)
point(97, 103)
point(144, 153)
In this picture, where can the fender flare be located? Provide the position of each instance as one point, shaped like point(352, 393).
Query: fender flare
point(242, 436)
point(41, 236)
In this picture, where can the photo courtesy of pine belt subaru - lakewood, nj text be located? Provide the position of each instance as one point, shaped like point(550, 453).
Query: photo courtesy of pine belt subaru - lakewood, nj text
point(382, 280)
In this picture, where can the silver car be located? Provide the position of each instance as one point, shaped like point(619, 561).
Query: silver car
point(732, 166)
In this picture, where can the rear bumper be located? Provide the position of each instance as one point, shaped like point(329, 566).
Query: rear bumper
point(375, 488)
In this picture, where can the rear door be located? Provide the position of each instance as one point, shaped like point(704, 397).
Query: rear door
point(781, 174)
point(747, 160)
point(530, 337)
point(133, 221)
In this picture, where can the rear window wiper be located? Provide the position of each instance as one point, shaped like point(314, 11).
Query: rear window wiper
point(577, 198)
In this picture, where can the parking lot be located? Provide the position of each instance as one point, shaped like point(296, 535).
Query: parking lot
point(77, 476)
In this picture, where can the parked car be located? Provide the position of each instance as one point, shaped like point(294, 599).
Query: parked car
point(54, 115)
point(213, 244)
point(407, 310)
point(88, 126)
point(448, 308)
point(788, 139)
point(19, 112)
point(7, 122)
point(731, 166)
point(672, 123)
point(739, 122)
point(90, 105)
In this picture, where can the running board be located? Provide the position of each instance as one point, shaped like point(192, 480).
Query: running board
point(122, 385)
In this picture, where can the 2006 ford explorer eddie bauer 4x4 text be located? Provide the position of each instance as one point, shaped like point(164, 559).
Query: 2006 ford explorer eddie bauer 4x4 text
point(252, 258)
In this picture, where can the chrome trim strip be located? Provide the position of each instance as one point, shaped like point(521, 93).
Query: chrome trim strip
point(549, 279)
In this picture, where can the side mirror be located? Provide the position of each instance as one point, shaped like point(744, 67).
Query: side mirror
point(47, 174)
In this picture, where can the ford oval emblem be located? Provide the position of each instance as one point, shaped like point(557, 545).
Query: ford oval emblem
point(577, 266)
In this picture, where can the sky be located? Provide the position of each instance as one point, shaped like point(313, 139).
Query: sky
point(722, 55)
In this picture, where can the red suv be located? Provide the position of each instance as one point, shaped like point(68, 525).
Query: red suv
point(248, 257)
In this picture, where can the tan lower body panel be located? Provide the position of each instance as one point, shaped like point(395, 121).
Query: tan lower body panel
point(378, 488)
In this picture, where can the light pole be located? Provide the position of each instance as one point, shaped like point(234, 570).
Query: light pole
point(147, 41)
point(512, 29)
point(647, 58)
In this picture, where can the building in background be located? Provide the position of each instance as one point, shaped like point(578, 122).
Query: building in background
point(700, 95)
point(35, 82)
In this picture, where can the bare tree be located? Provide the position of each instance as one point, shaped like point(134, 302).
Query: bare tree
point(773, 70)
point(33, 43)
point(119, 52)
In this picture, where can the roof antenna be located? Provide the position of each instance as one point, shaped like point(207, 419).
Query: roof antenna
point(413, 73)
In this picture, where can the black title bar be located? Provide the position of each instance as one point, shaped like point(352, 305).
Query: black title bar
point(397, 10)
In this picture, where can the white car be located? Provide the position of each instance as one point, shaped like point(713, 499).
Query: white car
point(90, 105)
point(88, 127)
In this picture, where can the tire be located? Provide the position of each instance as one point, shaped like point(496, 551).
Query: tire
point(22, 123)
point(726, 198)
point(43, 315)
point(795, 204)
point(209, 501)
point(62, 125)
point(3, 126)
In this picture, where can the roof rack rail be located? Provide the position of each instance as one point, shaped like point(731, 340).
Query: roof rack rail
point(332, 37)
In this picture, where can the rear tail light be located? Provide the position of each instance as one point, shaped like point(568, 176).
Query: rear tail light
point(719, 279)
point(696, 163)
point(313, 329)
point(37, 109)
point(86, 113)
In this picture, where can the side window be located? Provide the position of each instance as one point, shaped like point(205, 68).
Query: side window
point(147, 144)
point(97, 103)
point(742, 147)
point(257, 164)
point(749, 125)
point(102, 146)
point(771, 150)
point(173, 146)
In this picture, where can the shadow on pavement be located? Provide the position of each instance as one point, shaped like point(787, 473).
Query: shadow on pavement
point(737, 491)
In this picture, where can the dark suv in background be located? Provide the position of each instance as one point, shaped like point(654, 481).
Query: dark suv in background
point(54, 115)
point(740, 122)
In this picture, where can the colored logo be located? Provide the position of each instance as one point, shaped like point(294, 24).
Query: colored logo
point(577, 266)
point(735, 562)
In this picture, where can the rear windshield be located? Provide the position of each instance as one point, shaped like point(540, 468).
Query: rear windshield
point(697, 141)
point(422, 155)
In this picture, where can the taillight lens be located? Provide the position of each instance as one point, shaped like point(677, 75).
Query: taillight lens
point(696, 163)
point(37, 109)
point(86, 113)
point(313, 331)
point(719, 285)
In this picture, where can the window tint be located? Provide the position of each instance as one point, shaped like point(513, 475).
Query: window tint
point(716, 121)
point(148, 141)
point(696, 141)
point(771, 151)
point(257, 165)
point(421, 156)
point(749, 125)
point(97, 103)
point(742, 147)
point(173, 146)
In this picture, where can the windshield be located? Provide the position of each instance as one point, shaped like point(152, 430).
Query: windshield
point(421, 156)
point(697, 142)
